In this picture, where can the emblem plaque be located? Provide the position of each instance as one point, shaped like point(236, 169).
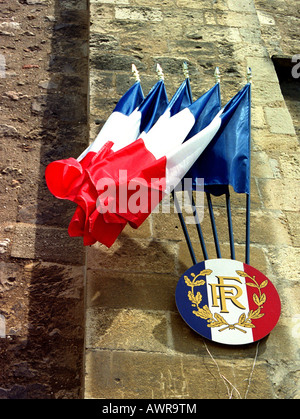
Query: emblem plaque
point(228, 301)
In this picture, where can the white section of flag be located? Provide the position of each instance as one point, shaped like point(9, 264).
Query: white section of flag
point(223, 267)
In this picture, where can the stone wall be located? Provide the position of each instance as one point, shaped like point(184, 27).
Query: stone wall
point(43, 91)
point(137, 344)
point(121, 335)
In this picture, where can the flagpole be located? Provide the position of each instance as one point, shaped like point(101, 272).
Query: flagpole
point(247, 253)
point(213, 224)
point(184, 228)
point(229, 219)
point(192, 201)
point(178, 209)
point(199, 230)
point(208, 197)
point(228, 205)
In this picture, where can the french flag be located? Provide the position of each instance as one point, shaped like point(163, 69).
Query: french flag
point(228, 301)
point(226, 160)
point(125, 179)
point(127, 170)
point(130, 117)
point(154, 164)
point(68, 179)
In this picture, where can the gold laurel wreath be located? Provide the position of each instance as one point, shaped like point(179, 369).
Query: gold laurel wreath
point(216, 320)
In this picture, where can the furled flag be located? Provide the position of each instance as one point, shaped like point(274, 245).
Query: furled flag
point(125, 180)
point(226, 160)
point(67, 179)
point(151, 166)
point(61, 174)
point(112, 218)
point(141, 119)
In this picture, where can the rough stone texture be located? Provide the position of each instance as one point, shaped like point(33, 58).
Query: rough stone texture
point(43, 93)
point(137, 344)
point(145, 375)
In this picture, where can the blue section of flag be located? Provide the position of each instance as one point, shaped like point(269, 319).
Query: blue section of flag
point(130, 100)
point(182, 98)
point(153, 106)
point(185, 305)
point(209, 106)
point(226, 160)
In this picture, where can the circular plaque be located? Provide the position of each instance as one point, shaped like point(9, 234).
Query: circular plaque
point(227, 301)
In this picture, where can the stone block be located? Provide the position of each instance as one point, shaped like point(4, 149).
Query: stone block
point(280, 194)
point(258, 117)
point(74, 5)
point(285, 263)
point(127, 330)
point(265, 18)
point(121, 2)
point(157, 3)
point(263, 140)
point(130, 290)
point(290, 165)
point(47, 243)
point(265, 92)
point(102, 42)
point(266, 228)
point(141, 14)
point(136, 255)
point(113, 62)
point(237, 20)
point(167, 226)
point(118, 375)
point(279, 121)
point(294, 227)
point(101, 83)
point(263, 166)
point(188, 342)
point(55, 280)
point(194, 4)
point(241, 6)
point(100, 13)
point(262, 69)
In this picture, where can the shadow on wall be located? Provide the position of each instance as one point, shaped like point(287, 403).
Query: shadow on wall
point(48, 362)
point(56, 306)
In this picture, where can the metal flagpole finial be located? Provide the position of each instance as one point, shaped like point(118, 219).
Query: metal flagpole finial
point(159, 72)
point(249, 75)
point(185, 70)
point(217, 75)
point(135, 73)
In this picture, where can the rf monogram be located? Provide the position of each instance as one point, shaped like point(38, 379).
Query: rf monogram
point(227, 291)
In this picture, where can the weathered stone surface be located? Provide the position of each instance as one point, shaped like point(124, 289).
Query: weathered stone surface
point(280, 194)
point(280, 121)
point(121, 290)
point(118, 374)
point(43, 86)
point(149, 256)
point(233, 35)
point(139, 14)
point(44, 117)
point(50, 244)
point(131, 330)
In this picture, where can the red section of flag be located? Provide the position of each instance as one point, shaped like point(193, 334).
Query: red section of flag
point(138, 183)
point(263, 300)
point(134, 173)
